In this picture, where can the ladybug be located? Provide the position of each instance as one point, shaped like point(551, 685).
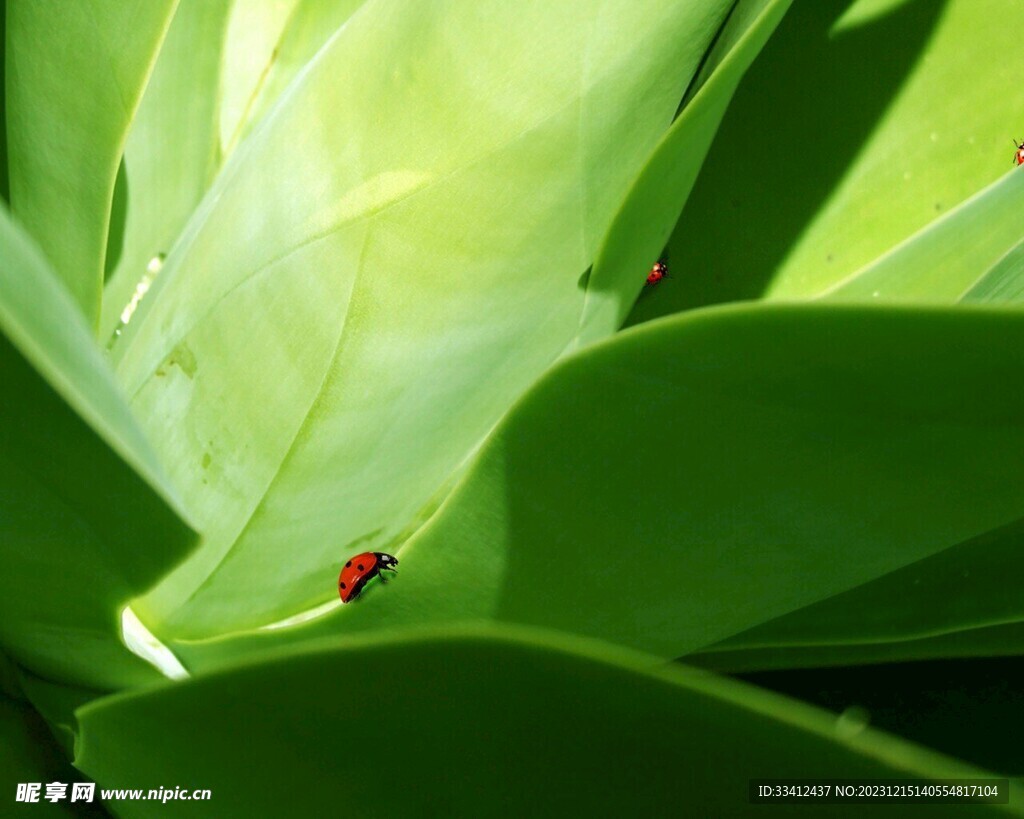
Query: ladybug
point(361, 569)
point(1018, 157)
point(658, 272)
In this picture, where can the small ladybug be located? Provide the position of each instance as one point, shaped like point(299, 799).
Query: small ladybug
point(361, 569)
point(1018, 156)
point(658, 272)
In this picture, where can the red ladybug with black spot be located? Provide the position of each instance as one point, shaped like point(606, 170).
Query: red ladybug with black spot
point(1018, 156)
point(361, 569)
point(658, 272)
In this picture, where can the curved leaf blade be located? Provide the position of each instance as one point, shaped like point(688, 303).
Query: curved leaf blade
point(820, 168)
point(959, 602)
point(652, 207)
point(947, 258)
point(334, 333)
point(88, 520)
point(75, 73)
point(172, 152)
point(507, 707)
point(745, 462)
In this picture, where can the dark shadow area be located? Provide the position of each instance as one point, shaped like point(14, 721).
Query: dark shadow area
point(26, 734)
point(802, 113)
point(118, 217)
point(969, 709)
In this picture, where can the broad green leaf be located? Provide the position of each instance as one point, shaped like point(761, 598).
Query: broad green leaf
point(952, 255)
point(379, 271)
point(653, 204)
point(722, 468)
point(860, 124)
point(481, 723)
point(86, 520)
point(936, 607)
point(74, 76)
point(173, 149)
point(29, 755)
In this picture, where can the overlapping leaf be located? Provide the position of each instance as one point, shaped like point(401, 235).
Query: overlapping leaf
point(959, 602)
point(172, 151)
point(644, 222)
point(862, 124)
point(74, 76)
point(86, 518)
point(29, 755)
point(382, 266)
point(471, 722)
point(724, 468)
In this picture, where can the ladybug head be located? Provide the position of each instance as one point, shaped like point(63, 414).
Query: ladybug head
point(389, 562)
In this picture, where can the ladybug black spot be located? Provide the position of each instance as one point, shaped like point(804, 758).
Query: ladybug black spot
point(343, 585)
point(348, 565)
point(360, 567)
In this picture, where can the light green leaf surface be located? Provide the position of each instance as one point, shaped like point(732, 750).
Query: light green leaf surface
point(645, 220)
point(254, 29)
point(860, 124)
point(173, 147)
point(74, 76)
point(310, 25)
point(86, 520)
point(378, 272)
point(1003, 282)
point(952, 255)
point(943, 135)
point(936, 607)
point(723, 468)
point(481, 723)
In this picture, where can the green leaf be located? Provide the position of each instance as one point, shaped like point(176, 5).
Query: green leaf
point(821, 167)
point(1003, 282)
point(74, 74)
point(29, 754)
point(86, 518)
point(379, 271)
point(936, 607)
point(250, 50)
point(478, 723)
point(723, 468)
point(310, 24)
point(173, 148)
point(56, 703)
point(645, 220)
point(952, 255)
